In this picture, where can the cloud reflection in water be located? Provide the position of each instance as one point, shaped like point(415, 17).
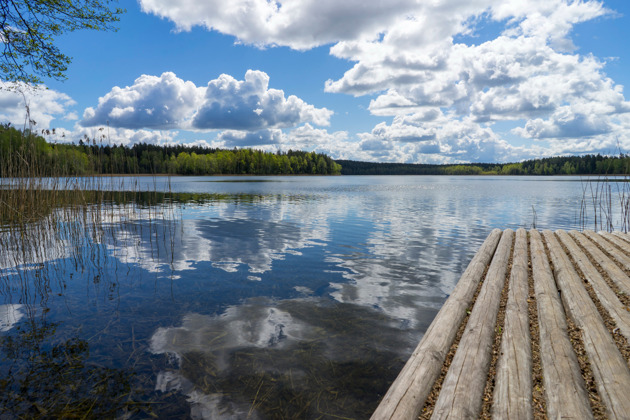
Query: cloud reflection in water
point(303, 297)
point(292, 347)
point(10, 315)
point(226, 243)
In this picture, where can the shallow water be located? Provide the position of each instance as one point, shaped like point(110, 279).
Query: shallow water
point(239, 297)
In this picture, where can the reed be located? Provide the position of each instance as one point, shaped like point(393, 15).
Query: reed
point(54, 224)
point(605, 204)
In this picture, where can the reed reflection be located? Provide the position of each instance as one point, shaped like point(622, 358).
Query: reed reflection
point(52, 365)
point(10, 315)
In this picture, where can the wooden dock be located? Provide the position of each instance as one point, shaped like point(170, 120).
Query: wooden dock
point(537, 327)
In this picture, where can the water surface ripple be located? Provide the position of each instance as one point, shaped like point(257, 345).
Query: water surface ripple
point(239, 297)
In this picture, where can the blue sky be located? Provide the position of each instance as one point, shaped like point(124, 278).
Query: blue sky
point(405, 80)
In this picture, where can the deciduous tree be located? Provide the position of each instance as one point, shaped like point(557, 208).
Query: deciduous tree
point(28, 29)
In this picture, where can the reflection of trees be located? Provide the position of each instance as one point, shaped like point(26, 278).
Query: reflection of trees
point(48, 235)
point(24, 202)
point(44, 378)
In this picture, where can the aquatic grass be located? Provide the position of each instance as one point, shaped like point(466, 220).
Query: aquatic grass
point(54, 227)
point(57, 380)
point(48, 372)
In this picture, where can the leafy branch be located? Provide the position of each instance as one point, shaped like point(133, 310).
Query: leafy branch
point(28, 29)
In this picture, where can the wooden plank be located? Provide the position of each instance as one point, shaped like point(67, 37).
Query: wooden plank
point(616, 274)
point(407, 395)
point(611, 373)
point(565, 392)
point(623, 236)
point(513, 384)
point(605, 294)
point(462, 391)
point(621, 258)
point(615, 240)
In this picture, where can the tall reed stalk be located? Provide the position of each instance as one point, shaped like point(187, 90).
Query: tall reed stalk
point(47, 212)
point(54, 224)
point(605, 204)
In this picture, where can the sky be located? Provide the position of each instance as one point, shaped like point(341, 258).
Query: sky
point(416, 81)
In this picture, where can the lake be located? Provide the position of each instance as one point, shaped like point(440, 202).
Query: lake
point(246, 297)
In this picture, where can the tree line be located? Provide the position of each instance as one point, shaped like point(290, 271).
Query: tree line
point(26, 151)
point(561, 165)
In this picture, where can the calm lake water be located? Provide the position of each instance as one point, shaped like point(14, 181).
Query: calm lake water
point(243, 297)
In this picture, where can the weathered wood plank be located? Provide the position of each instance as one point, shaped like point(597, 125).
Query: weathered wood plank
point(462, 391)
point(565, 392)
point(623, 236)
point(616, 274)
point(615, 240)
point(621, 258)
point(605, 294)
point(407, 395)
point(513, 384)
point(611, 373)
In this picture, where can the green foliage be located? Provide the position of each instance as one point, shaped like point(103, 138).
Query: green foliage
point(562, 165)
point(24, 154)
point(27, 154)
point(463, 170)
point(29, 28)
point(353, 167)
point(512, 169)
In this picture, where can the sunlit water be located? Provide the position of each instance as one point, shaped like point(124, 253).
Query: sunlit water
point(238, 297)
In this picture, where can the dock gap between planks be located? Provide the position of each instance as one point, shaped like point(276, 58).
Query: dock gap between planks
point(537, 327)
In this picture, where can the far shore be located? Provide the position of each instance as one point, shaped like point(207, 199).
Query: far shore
point(342, 175)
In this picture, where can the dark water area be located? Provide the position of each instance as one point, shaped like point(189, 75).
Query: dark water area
point(238, 297)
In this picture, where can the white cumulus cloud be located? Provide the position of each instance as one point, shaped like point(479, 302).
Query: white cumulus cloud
point(109, 136)
point(151, 102)
point(250, 105)
point(528, 75)
point(442, 139)
point(168, 102)
point(300, 24)
point(452, 80)
point(232, 138)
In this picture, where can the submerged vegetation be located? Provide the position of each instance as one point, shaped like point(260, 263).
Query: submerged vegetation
point(46, 380)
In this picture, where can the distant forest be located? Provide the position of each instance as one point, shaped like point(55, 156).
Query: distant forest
point(28, 154)
point(19, 150)
point(564, 165)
